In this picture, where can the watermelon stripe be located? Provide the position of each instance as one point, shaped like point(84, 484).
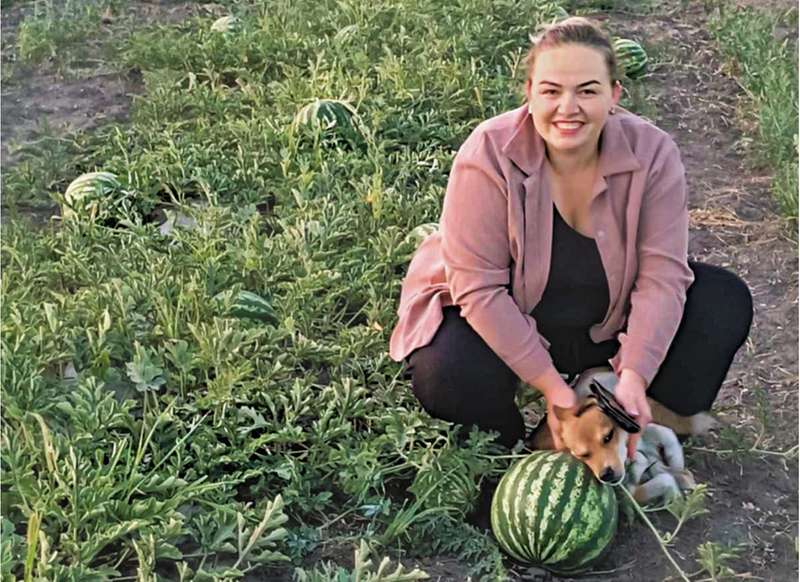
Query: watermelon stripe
point(531, 499)
point(538, 466)
point(558, 528)
point(605, 534)
point(572, 552)
point(588, 523)
point(501, 503)
point(532, 474)
point(557, 495)
point(568, 520)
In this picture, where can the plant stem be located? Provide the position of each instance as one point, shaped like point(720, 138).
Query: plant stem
point(655, 533)
point(787, 453)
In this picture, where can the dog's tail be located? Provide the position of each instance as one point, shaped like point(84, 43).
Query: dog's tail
point(695, 424)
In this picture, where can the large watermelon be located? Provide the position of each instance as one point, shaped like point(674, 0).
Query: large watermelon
point(550, 510)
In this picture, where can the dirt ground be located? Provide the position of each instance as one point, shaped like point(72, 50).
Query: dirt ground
point(83, 95)
point(734, 224)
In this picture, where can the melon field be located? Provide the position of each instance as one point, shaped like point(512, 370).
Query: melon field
point(195, 373)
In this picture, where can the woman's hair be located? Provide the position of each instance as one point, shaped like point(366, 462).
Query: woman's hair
point(573, 30)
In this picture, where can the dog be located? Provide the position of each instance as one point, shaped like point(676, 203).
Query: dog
point(590, 435)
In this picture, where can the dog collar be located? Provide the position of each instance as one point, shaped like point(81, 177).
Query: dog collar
point(612, 408)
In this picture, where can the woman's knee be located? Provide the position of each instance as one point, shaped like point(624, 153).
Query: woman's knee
point(720, 296)
point(458, 380)
point(458, 356)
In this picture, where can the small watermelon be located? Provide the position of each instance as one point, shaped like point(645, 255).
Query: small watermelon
point(327, 114)
point(346, 33)
point(225, 24)
point(551, 511)
point(89, 195)
point(249, 305)
point(630, 56)
point(415, 238)
point(448, 483)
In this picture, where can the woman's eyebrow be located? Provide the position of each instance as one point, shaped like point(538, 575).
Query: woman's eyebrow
point(579, 86)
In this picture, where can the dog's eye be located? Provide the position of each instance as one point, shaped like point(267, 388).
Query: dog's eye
point(608, 437)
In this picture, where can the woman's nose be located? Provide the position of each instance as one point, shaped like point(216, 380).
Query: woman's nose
point(568, 103)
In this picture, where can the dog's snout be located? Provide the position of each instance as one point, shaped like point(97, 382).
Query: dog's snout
point(608, 475)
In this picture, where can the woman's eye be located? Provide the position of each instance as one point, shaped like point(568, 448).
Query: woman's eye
point(608, 437)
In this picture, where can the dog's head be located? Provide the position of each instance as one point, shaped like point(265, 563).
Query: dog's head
point(592, 437)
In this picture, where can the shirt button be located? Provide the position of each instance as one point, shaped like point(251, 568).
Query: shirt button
point(600, 233)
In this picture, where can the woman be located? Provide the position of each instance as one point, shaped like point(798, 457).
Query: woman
point(562, 246)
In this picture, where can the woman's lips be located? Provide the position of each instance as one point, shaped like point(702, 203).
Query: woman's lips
point(568, 128)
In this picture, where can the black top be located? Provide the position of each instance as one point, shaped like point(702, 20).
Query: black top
point(576, 295)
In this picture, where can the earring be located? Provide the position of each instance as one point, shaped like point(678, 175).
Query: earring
point(611, 111)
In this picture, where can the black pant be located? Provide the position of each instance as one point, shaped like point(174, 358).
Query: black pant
point(458, 378)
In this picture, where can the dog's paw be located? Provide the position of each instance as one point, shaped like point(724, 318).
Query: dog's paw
point(685, 480)
point(662, 487)
point(702, 423)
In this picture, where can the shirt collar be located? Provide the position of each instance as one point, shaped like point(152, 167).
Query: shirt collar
point(526, 147)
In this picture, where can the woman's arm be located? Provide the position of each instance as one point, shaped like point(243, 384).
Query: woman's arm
point(659, 291)
point(475, 249)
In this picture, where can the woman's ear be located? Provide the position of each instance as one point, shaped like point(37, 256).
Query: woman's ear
point(616, 92)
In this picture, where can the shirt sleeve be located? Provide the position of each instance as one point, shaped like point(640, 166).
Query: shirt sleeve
point(477, 259)
point(659, 290)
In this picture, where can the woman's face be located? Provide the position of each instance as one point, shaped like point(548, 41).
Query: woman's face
point(569, 96)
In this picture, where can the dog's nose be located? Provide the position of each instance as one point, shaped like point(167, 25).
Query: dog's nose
point(608, 475)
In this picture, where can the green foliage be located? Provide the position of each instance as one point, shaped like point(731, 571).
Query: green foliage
point(768, 71)
point(714, 559)
point(361, 572)
point(145, 427)
point(65, 32)
point(686, 507)
point(40, 38)
point(451, 536)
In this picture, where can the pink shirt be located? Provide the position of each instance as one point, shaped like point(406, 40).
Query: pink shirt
point(496, 230)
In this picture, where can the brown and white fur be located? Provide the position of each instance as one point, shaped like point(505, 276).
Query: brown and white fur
point(591, 436)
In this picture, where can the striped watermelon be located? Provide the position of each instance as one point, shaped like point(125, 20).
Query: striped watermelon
point(89, 194)
point(551, 511)
point(248, 305)
point(630, 56)
point(327, 114)
point(448, 483)
point(413, 239)
point(225, 24)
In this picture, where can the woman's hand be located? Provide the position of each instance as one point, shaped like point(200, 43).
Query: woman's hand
point(631, 394)
point(557, 393)
point(563, 397)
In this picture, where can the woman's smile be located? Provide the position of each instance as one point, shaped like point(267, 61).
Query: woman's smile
point(568, 128)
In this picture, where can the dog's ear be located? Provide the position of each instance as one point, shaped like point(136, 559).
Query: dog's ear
point(582, 406)
point(563, 413)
